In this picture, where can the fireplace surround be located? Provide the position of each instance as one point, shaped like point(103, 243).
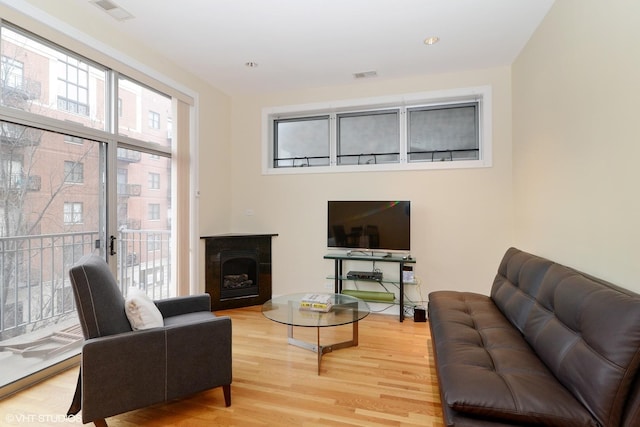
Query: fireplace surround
point(238, 269)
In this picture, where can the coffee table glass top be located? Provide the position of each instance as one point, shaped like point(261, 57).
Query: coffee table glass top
point(286, 309)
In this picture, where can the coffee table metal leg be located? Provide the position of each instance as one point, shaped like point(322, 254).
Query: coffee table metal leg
point(322, 349)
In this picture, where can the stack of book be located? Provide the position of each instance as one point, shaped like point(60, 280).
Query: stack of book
point(316, 302)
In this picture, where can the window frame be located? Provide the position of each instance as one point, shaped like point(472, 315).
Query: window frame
point(302, 160)
point(154, 120)
point(73, 172)
point(76, 86)
point(73, 213)
point(482, 95)
point(153, 212)
point(153, 181)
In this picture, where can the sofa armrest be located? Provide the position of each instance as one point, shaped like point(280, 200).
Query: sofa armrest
point(182, 305)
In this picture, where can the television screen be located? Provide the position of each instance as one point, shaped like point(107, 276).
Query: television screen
point(369, 225)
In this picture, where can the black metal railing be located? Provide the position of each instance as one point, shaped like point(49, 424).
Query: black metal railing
point(35, 291)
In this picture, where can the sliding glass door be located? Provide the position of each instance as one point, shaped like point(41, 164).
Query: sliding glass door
point(52, 212)
point(85, 167)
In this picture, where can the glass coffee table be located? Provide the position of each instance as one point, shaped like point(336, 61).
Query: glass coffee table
point(345, 310)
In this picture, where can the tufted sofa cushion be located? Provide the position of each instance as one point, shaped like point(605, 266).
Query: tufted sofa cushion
point(486, 368)
point(550, 346)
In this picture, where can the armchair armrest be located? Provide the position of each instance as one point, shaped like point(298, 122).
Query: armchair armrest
point(136, 369)
point(182, 305)
point(122, 372)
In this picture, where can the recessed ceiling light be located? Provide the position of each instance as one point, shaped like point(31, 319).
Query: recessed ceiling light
point(251, 64)
point(431, 40)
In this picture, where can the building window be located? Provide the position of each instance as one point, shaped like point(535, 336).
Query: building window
point(154, 211)
point(154, 181)
point(119, 107)
point(73, 140)
point(73, 86)
point(154, 120)
point(73, 172)
point(72, 213)
point(447, 129)
point(12, 73)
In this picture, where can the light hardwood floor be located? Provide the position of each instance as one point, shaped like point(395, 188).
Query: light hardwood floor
point(388, 380)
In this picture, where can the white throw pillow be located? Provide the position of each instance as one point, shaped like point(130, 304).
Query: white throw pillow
point(141, 311)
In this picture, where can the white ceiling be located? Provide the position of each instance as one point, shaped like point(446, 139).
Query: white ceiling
point(315, 43)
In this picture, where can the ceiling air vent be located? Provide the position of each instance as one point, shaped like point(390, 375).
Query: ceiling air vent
point(112, 9)
point(365, 75)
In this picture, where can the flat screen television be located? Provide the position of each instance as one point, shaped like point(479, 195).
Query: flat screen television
point(369, 225)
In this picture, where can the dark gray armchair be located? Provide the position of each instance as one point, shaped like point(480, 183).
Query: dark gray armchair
point(122, 369)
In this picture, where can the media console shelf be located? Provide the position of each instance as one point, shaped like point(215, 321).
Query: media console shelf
point(399, 259)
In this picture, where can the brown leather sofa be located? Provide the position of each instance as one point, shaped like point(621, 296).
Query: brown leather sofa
point(550, 346)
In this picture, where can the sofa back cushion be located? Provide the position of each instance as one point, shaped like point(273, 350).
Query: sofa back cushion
point(517, 284)
point(585, 330)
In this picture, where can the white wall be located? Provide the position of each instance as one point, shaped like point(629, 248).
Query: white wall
point(461, 219)
point(576, 92)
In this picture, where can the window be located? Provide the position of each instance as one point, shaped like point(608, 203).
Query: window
point(73, 172)
point(11, 174)
point(366, 138)
point(154, 181)
point(154, 120)
point(301, 142)
point(72, 213)
point(443, 133)
point(447, 129)
point(73, 86)
point(12, 73)
point(77, 121)
point(154, 211)
point(73, 140)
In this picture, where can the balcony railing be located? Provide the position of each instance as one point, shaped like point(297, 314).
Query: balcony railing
point(20, 181)
point(35, 291)
point(128, 190)
point(127, 155)
point(24, 89)
point(17, 135)
point(144, 261)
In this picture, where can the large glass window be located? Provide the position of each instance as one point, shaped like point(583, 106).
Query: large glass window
point(140, 103)
point(46, 224)
point(448, 129)
point(53, 82)
point(143, 207)
point(57, 198)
